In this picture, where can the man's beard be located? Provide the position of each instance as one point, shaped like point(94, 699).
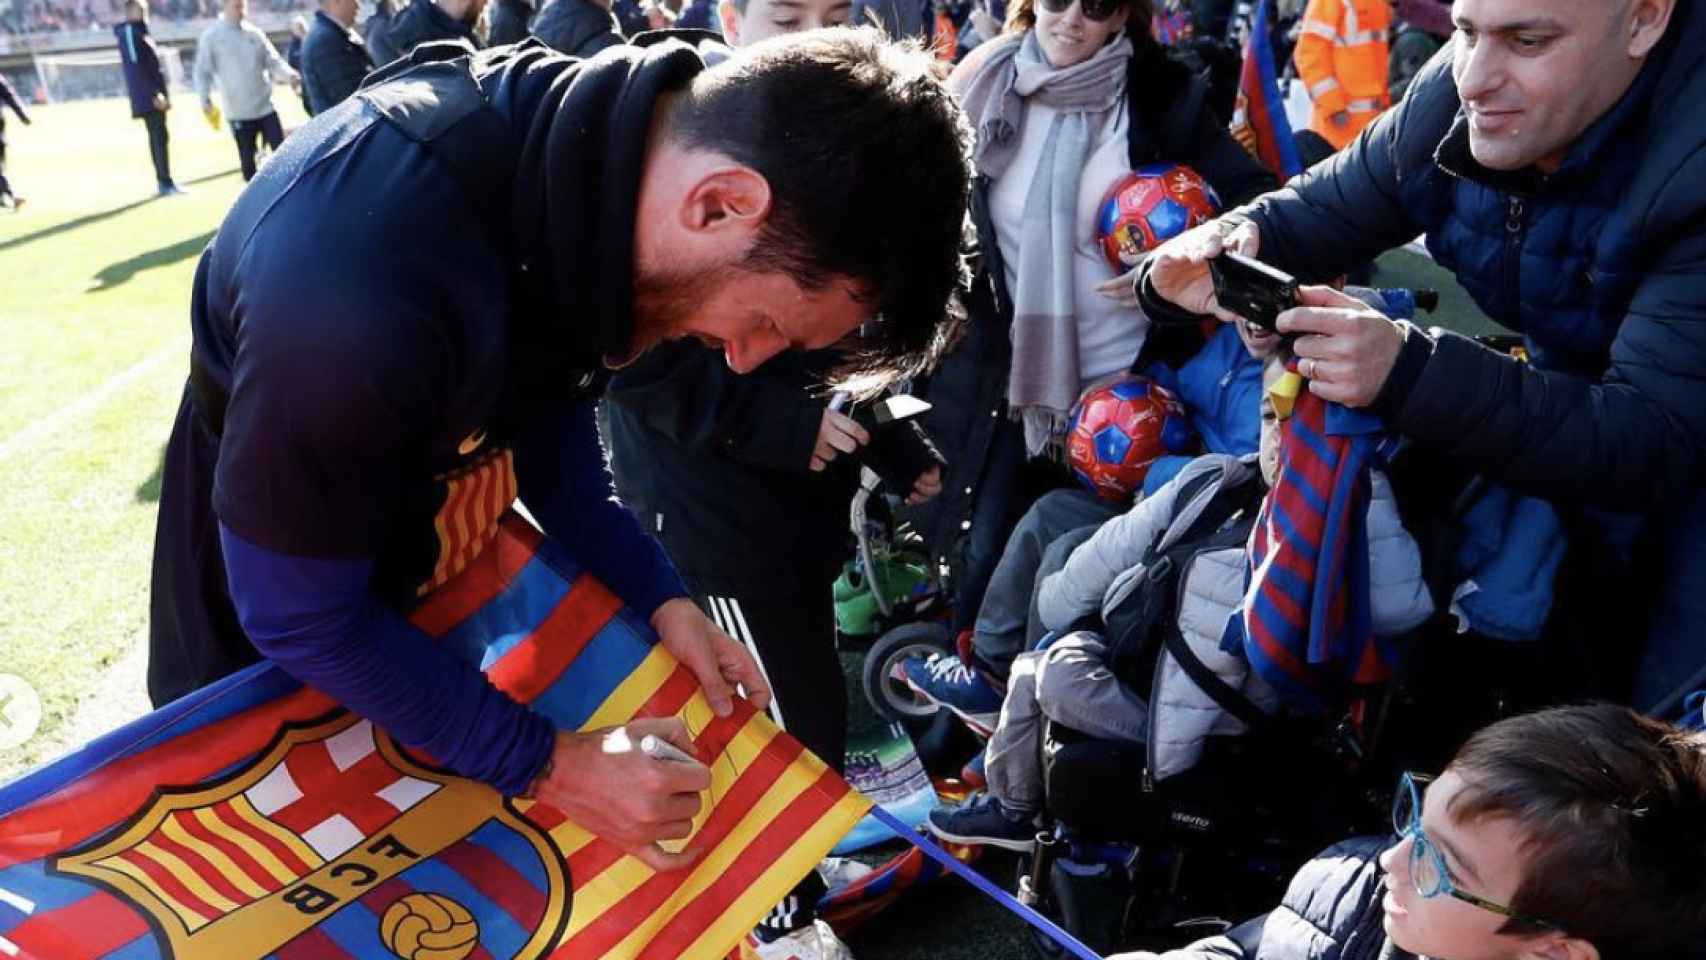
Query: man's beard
point(665, 300)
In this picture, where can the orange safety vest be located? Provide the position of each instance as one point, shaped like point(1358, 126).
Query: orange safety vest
point(1341, 57)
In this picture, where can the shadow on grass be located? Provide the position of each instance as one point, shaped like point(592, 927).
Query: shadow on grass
point(149, 490)
point(90, 218)
point(114, 274)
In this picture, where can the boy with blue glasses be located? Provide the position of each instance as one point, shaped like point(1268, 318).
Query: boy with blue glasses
point(1577, 833)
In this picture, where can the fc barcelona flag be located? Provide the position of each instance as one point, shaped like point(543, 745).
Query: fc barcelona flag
point(257, 818)
point(1258, 116)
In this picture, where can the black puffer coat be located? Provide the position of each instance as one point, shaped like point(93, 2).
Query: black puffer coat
point(579, 28)
point(1331, 911)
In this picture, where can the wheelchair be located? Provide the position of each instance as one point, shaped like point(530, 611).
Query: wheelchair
point(1126, 863)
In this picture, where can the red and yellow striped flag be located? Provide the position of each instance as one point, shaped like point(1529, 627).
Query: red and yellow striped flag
point(256, 818)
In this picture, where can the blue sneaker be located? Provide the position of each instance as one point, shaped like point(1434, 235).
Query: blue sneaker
point(947, 682)
point(982, 822)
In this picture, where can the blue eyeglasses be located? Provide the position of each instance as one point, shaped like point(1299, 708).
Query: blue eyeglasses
point(1428, 871)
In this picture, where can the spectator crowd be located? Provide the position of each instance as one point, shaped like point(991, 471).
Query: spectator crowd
point(1362, 499)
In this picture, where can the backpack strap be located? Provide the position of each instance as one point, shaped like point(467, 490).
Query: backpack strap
point(1233, 531)
point(1218, 690)
point(1135, 626)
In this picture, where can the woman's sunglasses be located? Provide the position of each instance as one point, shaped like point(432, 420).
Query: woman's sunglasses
point(1097, 10)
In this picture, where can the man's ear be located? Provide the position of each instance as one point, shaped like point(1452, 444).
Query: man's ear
point(1648, 20)
point(727, 199)
point(730, 19)
point(1558, 946)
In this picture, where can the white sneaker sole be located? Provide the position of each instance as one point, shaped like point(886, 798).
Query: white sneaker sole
point(982, 724)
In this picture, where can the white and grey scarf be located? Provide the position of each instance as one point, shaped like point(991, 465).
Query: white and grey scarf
point(1043, 382)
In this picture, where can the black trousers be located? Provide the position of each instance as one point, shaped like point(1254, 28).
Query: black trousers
point(194, 637)
point(155, 121)
point(247, 134)
point(5, 185)
point(790, 631)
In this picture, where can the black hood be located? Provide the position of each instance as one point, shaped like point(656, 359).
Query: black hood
point(581, 129)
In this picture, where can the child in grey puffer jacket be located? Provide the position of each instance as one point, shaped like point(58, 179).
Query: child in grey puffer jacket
point(1072, 683)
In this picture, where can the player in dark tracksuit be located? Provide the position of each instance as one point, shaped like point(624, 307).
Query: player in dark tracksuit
point(535, 213)
point(146, 83)
point(8, 98)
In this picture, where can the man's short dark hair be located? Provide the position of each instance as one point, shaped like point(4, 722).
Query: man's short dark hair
point(865, 152)
point(1612, 809)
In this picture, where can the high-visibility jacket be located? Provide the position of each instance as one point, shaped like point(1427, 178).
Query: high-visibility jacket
point(1341, 57)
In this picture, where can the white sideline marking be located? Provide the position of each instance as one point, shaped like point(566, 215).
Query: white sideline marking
point(57, 420)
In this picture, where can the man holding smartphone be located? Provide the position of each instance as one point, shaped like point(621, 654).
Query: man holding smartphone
point(1552, 156)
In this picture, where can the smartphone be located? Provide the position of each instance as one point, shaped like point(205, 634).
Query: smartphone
point(1252, 289)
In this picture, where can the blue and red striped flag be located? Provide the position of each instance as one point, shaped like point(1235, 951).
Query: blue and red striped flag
point(1307, 626)
point(1258, 115)
point(257, 818)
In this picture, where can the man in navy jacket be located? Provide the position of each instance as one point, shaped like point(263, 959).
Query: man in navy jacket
point(1554, 159)
point(147, 85)
point(334, 59)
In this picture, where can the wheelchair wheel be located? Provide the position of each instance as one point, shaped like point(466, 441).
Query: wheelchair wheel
point(891, 698)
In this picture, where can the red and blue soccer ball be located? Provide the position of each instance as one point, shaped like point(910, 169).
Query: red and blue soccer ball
point(1154, 203)
point(1120, 428)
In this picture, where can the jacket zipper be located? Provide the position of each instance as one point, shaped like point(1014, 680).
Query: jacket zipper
point(1515, 233)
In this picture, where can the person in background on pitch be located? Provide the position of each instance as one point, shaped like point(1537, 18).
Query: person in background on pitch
point(334, 59)
point(376, 17)
point(236, 54)
point(8, 98)
point(579, 28)
point(293, 54)
point(508, 22)
point(424, 21)
point(146, 83)
point(745, 477)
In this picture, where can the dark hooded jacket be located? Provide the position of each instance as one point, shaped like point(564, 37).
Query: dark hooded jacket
point(334, 62)
point(336, 399)
point(509, 21)
point(1331, 911)
point(424, 21)
point(579, 28)
point(143, 78)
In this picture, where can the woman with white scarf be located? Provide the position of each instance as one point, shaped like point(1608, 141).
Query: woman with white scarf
point(1072, 96)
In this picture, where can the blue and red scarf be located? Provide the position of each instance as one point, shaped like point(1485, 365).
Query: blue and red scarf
point(1307, 627)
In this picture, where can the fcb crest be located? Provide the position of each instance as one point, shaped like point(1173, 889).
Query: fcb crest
point(333, 843)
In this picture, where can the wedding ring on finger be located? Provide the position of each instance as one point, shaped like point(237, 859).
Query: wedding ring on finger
point(1306, 366)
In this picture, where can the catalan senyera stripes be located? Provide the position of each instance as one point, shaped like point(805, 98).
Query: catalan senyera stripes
point(189, 866)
